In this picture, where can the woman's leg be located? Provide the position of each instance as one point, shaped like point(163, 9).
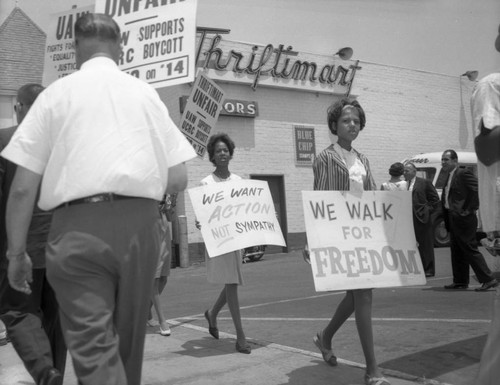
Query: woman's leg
point(234, 309)
point(363, 314)
point(157, 305)
point(343, 312)
point(218, 305)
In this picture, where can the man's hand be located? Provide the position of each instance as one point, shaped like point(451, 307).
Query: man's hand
point(19, 273)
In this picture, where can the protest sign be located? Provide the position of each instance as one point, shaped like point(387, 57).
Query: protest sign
point(158, 38)
point(201, 112)
point(236, 214)
point(59, 58)
point(361, 240)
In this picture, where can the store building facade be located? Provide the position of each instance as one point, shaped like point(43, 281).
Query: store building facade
point(276, 113)
point(278, 123)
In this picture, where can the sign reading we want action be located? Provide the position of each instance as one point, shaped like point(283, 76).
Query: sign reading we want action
point(236, 214)
point(361, 240)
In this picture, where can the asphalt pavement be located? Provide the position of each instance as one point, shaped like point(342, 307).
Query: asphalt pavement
point(280, 313)
point(191, 356)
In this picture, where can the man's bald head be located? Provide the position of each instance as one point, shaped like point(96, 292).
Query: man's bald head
point(96, 34)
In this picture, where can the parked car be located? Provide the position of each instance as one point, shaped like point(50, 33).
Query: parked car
point(253, 253)
point(429, 167)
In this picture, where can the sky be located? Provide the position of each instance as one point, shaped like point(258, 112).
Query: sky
point(440, 36)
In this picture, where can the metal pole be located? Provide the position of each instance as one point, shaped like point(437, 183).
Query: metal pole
point(183, 242)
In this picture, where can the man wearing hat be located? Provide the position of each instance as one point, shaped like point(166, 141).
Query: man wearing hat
point(485, 104)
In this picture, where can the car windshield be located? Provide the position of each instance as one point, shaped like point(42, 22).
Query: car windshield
point(426, 173)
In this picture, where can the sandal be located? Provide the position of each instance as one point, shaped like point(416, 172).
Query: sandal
point(328, 356)
point(245, 349)
point(214, 332)
point(369, 380)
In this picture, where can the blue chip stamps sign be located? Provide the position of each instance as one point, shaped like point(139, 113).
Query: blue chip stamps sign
point(305, 146)
point(158, 38)
point(236, 214)
point(363, 240)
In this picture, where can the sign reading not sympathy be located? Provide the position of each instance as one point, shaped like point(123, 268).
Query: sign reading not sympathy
point(361, 241)
point(236, 214)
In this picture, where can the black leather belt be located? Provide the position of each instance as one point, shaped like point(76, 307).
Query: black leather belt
point(98, 198)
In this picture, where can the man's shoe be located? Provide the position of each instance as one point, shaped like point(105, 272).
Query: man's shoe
point(52, 376)
point(487, 285)
point(427, 275)
point(456, 286)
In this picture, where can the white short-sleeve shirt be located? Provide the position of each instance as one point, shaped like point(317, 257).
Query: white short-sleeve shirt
point(485, 105)
point(95, 131)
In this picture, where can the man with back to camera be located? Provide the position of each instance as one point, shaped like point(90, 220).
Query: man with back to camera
point(485, 105)
point(32, 321)
point(107, 150)
point(460, 203)
point(424, 200)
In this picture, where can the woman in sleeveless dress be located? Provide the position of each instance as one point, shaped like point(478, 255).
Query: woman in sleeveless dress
point(226, 268)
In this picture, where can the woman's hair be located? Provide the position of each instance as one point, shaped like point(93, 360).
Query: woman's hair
point(335, 111)
point(212, 141)
point(397, 169)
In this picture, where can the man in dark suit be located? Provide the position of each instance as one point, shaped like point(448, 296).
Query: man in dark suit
point(460, 203)
point(425, 199)
point(32, 320)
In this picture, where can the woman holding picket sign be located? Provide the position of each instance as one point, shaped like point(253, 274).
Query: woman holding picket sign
point(341, 168)
point(224, 269)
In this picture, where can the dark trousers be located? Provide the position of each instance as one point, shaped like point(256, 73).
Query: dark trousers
point(464, 251)
point(32, 323)
point(101, 261)
point(425, 239)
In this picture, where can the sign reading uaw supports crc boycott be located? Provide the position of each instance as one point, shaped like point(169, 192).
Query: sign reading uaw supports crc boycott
point(201, 112)
point(158, 38)
point(236, 214)
point(363, 240)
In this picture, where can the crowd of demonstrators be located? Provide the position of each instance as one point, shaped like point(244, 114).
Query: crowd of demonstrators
point(340, 167)
point(91, 135)
point(396, 181)
point(485, 104)
point(224, 269)
point(31, 318)
point(425, 201)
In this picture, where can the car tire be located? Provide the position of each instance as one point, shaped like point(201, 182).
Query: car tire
point(441, 235)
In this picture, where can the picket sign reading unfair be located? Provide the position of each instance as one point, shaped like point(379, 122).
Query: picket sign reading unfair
point(361, 240)
point(59, 58)
point(236, 214)
point(158, 38)
point(201, 112)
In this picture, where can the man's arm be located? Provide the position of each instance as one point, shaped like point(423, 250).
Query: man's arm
point(177, 178)
point(20, 205)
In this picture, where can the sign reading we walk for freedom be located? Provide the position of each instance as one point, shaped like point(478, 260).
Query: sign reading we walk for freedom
point(361, 240)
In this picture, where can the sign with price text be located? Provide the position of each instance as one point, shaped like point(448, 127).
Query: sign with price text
point(158, 38)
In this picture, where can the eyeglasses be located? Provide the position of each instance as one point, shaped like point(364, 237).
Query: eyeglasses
point(18, 105)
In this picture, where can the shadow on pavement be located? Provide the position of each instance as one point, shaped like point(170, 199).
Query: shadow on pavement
point(432, 363)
